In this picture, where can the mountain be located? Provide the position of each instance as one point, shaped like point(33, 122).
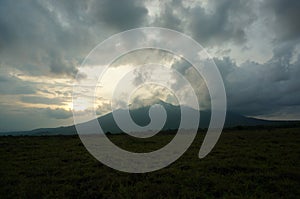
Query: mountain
point(141, 117)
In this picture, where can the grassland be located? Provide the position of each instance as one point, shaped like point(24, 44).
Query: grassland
point(256, 163)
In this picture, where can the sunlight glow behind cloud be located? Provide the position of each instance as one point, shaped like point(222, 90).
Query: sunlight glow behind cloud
point(255, 44)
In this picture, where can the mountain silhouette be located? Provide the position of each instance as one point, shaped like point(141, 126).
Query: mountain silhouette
point(141, 117)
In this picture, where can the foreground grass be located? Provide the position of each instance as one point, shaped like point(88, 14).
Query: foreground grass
point(244, 164)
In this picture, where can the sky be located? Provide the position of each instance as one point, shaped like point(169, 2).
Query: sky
point(255, 44)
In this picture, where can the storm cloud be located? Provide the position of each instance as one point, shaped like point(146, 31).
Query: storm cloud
point(255, 44)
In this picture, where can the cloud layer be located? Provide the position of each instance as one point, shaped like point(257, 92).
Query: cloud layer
point(255, 44)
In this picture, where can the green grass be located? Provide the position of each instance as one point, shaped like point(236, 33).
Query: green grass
point(244, 164)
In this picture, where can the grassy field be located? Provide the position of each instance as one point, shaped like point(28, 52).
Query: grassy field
point(257, 163)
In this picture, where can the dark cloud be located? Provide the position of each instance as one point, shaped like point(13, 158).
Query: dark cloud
point(286, 16)
point(14, 86)
point(52, 38)
point(253, 88)
point(122, 15)
point(223, 21)
point(43, 38)
point(181, 66)
point(170, 15)
point(30, 34)
point(59, 65)
point(258, 89)
point(228, 21)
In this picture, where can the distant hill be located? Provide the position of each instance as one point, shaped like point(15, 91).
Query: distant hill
point(141, 117)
